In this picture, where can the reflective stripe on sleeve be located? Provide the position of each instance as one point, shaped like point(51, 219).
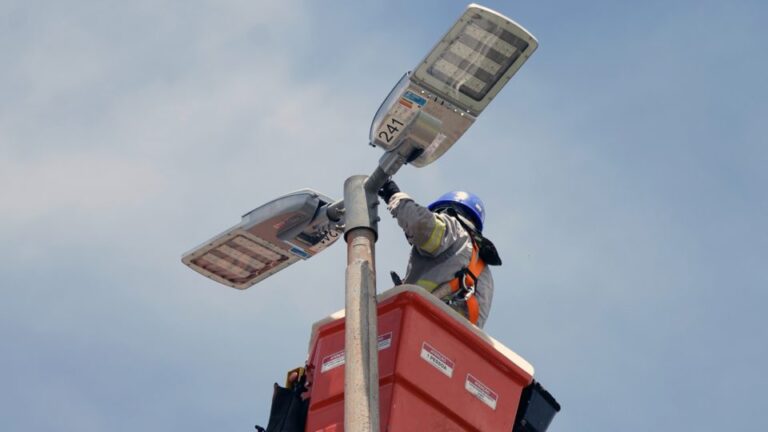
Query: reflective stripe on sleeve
point(427, 284)
point(433, 243)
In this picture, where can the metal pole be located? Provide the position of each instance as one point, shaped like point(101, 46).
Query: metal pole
point(361, 370)
point(389, 164)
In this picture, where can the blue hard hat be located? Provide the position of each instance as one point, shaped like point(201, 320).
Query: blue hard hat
point(472, 206)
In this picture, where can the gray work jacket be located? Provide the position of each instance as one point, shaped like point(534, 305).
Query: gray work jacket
point(441, 247)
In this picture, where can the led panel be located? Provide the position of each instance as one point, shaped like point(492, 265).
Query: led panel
point(476, 58)
point(239, 259)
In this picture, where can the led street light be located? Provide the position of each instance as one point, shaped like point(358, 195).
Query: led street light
point(267, 240)
point(476, 58)
point(431, 108)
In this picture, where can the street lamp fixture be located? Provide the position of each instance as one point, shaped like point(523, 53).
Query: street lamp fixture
point(268, 239)
point(428, 110)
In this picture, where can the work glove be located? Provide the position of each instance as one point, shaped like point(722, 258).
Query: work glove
point(387, 190)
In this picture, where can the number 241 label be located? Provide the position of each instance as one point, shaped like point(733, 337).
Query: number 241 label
point(390, 129)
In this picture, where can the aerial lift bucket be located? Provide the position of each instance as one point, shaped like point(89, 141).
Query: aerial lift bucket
point(437, 372)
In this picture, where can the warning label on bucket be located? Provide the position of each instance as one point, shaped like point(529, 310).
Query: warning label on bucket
point(481, 391)
point(385, 341)
point(437, 359)
point(332, 361)
point(337, 359)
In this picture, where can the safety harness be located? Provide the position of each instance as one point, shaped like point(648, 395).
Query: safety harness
point(463, 285)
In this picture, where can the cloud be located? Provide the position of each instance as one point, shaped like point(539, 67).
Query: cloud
point(84, 183)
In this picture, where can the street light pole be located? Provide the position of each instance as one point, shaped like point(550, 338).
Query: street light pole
point(361, 373)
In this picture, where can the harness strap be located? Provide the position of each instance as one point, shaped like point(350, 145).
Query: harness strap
point(470, 275)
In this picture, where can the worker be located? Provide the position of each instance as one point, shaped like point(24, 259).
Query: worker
point(449, 256)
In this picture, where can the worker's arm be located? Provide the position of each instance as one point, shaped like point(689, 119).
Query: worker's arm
point(429, 232)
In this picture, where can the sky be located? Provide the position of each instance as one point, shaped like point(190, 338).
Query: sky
point(623, 171)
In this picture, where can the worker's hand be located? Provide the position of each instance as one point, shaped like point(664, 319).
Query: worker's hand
point(387, 190)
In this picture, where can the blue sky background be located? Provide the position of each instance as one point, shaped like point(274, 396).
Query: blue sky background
point(623, 168)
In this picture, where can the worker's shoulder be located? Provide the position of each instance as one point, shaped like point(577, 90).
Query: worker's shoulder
point(454, 226)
